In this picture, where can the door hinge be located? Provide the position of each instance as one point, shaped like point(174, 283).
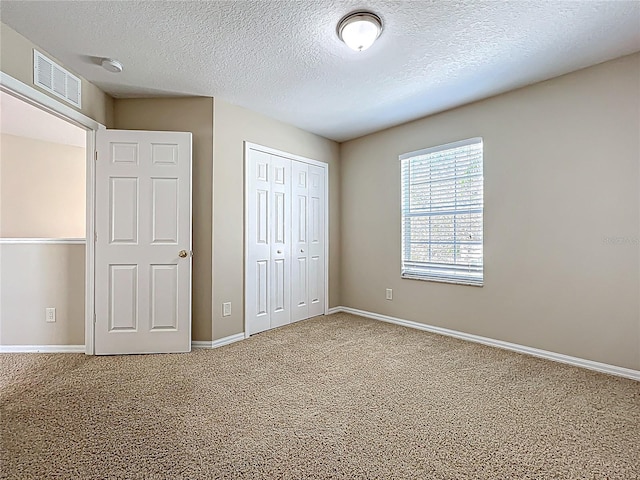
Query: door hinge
point(95, 237)
point(96, 156)
point(94, 318)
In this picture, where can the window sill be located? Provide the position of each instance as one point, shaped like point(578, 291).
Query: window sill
point(468, 283)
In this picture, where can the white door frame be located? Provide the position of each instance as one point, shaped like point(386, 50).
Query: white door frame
point(272, 151)
point(34, 97)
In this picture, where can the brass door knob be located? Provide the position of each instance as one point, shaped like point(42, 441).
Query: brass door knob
point(183, 254)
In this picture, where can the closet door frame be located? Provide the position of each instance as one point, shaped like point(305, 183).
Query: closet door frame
point(272, 151)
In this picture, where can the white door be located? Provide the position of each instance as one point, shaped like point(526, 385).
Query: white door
point(280, 234)
point(143, 242)
point(308, 269)
point(257, 267)
point(285, 240)
point(268, 238)
point(315, 247)
point(300, 231)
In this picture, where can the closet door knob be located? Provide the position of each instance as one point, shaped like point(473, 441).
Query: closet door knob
point(279, 251)
point(301, 250)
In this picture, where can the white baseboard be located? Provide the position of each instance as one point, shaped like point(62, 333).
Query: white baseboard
point(42, 349)
point(536, 352)
point(218, 343)
point(81, 348)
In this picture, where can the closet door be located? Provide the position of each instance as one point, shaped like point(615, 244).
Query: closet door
point(300, 243)
point(285, 232)
point(316, 234)
point(257, 271)
point(280, 233)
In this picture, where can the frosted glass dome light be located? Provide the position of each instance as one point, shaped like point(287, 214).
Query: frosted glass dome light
point(359, 30)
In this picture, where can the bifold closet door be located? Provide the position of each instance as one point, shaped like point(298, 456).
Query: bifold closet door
point(280, 235)
point(285, 264)
point(307, 265)
point(268, 236)
point(316, 240)
point(259, 249)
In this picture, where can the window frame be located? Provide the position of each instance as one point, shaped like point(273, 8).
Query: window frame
point(431, 276)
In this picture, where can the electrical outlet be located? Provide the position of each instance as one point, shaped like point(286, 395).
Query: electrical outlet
point(389, 294)
point(226, 309)
point(50, 314)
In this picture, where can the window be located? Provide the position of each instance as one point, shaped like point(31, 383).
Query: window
point(442, 213)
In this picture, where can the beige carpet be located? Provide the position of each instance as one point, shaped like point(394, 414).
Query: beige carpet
point(337, 397)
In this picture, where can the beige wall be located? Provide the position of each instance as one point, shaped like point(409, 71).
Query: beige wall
point(195, 115)
point(562, 214)
point(561, 167)
point(42, 189)
point(233, 126)
point(16, 59)
point(34, 277)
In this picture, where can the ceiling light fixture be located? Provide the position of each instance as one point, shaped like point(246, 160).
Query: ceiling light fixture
point(111, 65)
point(359, 30)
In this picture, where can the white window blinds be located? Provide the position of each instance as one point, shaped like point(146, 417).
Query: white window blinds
point(442, 213)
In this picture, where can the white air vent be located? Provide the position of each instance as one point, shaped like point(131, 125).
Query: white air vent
point(51, 77)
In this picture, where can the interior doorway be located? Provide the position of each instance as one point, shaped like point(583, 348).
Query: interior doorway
point(42, 228)
point(161, 188)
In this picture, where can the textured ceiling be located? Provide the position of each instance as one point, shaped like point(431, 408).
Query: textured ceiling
point(284, 59)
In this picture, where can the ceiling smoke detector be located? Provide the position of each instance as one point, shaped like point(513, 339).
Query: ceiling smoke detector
point(111, 65)
point(359, 30)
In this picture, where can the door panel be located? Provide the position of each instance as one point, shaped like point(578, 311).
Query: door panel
point(258, 243)
point(123, 212)
point(280, 218)
point(280, 255)
point(164, 154)
point(164, 211)
point(316, 247)
point(301, 218)
point(143, 220)
point(314, 219)
point(123, 297)
point(164, 297)
point(314, 287)
point(124, 153)
point(300, 226)
point(262, 289)
point(262, 219)
point(279, 286)
point(300, 283)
